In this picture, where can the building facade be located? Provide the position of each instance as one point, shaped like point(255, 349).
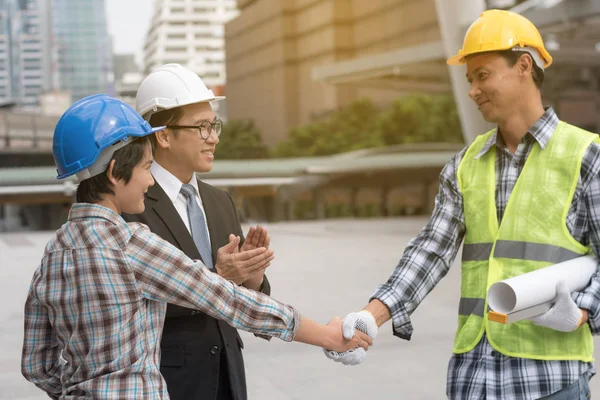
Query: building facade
point(273, 46)
point(190, 33)
point(292, 61)
point(84, 49)
point(26, 52)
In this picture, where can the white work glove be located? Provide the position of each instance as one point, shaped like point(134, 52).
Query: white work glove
point(564, 316)
point(364, 322)
point(350, 357)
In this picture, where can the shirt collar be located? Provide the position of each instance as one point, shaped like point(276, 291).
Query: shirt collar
point(169, 182)
point(89, 211)
point(541, 131)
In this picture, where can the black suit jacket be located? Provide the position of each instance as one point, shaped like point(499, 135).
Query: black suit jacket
point(192, 341)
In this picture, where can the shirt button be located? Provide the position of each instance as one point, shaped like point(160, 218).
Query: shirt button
point(214, 350)
point(494, 354)
point(195, 312)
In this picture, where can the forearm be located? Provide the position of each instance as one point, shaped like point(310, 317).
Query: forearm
point(253, 311)
point(242, 308)
point(311, 332)
point(588, 300)
point(41, 363)
point(43, 374)
point(417, 273)
point(426, 259)
point(164, 273)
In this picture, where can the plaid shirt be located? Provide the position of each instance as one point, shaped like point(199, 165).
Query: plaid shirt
point(95, 310)
point(483, 372)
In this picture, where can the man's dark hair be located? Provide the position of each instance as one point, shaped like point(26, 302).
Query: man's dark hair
point(126, 159)
point(512, 57)
point(165, 117)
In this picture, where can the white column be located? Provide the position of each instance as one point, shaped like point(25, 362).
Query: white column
point(11, 217)
point(454, 17)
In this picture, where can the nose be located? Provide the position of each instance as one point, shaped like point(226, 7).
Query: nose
point(213, 138)
point(474, 91)
point(151, 180)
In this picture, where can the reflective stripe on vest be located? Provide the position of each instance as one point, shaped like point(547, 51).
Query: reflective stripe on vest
point(508, 249)
point(468, 306)
point(517, 250)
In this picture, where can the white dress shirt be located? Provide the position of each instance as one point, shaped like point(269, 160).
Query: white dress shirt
point(172, 187)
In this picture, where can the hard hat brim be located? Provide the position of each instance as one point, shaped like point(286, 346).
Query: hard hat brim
point(150, 109)
point(461, 59)
point(458, 59)
point(95, 158)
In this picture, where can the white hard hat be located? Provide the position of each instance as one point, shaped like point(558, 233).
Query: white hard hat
point(170, 86)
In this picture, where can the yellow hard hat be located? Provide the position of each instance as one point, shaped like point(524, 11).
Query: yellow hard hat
point(497, 30)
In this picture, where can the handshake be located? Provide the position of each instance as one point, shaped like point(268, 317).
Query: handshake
point(362, 321)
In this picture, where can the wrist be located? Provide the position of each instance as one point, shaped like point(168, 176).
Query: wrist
point(328, 338)
point(221, 273)
point(379, 311)
point(254, 283)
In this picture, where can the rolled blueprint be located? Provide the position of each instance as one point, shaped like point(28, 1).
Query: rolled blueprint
point(536, 290)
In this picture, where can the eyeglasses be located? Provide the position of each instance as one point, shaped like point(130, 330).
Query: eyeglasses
point(205, 128)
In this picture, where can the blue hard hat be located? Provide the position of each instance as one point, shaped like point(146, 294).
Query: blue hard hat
point(90, 126)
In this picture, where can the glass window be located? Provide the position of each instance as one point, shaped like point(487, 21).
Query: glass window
point(176, 48)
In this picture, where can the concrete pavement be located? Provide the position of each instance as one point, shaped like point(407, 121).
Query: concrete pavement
point(324, 268)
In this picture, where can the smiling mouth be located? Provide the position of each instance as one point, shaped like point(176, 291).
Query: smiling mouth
point(208, 152)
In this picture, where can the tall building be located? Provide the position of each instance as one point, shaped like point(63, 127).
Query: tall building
point(124, 63)
point(84, 47)
point(25, 51)
point(128, 77)
point(273, 46)
point(191, 33)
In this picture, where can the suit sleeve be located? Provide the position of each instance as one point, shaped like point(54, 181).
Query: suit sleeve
point(266, 286)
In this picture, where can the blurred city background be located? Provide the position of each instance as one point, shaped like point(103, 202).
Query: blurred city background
point(336, 111)
point(335, 108)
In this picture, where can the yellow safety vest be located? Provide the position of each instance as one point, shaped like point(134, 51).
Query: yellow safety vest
point(533, 235)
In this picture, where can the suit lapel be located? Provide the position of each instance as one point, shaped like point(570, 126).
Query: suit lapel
point(211, 211)
point(169, 215)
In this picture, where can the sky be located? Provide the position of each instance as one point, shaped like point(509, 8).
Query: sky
point(128, 22)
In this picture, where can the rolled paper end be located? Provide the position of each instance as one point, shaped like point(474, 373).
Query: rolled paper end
point(498, 317)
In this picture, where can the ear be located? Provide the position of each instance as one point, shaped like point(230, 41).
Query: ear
point(163, 139)
point(525, 65)
point(109, 173)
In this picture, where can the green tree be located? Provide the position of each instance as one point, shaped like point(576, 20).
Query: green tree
point(362, 125)
point(347, 129)
point(240, 139)
point(444, 122)
point(355, 126)
point(420, 118)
